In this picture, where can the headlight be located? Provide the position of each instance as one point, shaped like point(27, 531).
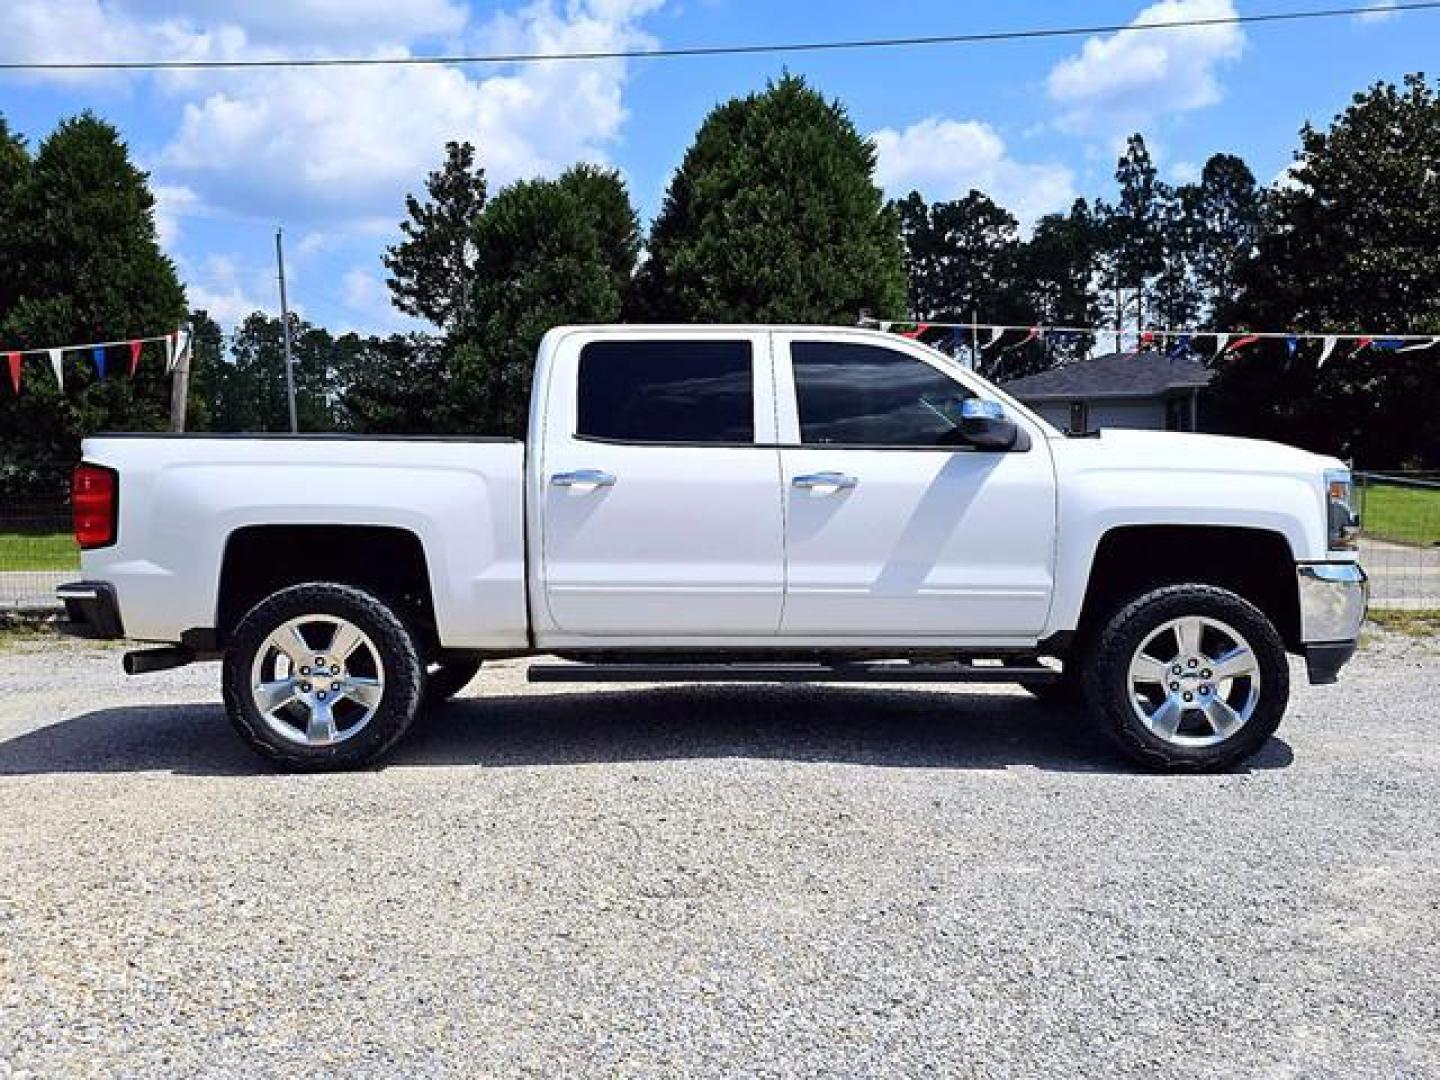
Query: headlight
point(1344, 521)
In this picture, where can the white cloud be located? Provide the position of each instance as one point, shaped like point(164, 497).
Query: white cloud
point(944, 159)
point(348, 143)
point(1184, 172)
point(173, 203)
point(1123, 81)
point(1379, 11)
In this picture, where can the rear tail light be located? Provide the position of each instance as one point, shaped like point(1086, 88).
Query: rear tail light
point(94, 495)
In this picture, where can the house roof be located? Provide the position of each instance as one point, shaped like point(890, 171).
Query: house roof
point(1115, 375)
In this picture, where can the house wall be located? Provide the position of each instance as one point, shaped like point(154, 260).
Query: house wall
point(1126, 413)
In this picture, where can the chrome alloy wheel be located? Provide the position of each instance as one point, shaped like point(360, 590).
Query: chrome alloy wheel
point(1194, 681)
point(317, 680)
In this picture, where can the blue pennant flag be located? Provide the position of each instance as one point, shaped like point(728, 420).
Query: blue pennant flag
point(1388, 344)
point(1180, 349)
point(99, 353)
point(1291, 344)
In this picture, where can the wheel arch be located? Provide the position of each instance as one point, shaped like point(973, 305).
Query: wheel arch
point(387, 561)
point(1255, 563)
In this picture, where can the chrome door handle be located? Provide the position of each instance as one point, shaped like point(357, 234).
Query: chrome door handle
point(583, 478)
point(836, 480)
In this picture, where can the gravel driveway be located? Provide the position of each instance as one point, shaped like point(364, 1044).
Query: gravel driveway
point(713, 881)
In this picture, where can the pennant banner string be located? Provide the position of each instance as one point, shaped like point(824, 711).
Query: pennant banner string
point(994, 331)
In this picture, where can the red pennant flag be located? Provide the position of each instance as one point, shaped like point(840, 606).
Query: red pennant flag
point(1360, 346)
point(1147, 339)
point(920, 328)
point(1240, 342)
point(14, 359)
point(135, 347)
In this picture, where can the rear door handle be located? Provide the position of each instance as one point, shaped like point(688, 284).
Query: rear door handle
point(583, 478)
point(838, 481)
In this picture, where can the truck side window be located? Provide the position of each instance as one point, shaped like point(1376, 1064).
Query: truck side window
point(868, 395)
point(667, 391)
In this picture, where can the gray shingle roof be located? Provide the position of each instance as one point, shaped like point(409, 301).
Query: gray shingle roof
point(1115, 375)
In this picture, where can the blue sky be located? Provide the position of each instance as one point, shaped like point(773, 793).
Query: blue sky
point(329, 154)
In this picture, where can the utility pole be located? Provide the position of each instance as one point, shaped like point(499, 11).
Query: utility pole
point(180, 380)
point(285, 328)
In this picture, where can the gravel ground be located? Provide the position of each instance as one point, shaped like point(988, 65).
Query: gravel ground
point(713, 881)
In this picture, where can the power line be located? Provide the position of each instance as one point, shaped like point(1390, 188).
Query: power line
point(689, 51)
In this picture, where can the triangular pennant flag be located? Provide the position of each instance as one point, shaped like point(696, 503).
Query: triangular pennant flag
point(1388, 344)
point(14, 359)
point(57, 361)
point(916, 331)
point(1180, 349)
point(1291, 344)
point(1413, 346)
point(995, 332)
point(1147, 339)
point(169, 353)
point(1330, 341)
point(182, 346)
point(1241, 342)
point(1220, 340)
point(1360, 346)
point(135, 347)
point(98, 353)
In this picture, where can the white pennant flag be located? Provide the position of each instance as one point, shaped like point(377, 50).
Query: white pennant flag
point(995, 332)
point(182, 345)
point(56, 361)
point(1221, 340)
point(169, 353)
point(1330, 343)
point(1420, 345)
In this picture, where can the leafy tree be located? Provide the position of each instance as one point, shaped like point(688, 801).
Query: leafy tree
point(1056, 274)
point(431, 269)
point(1225, 209)
point(960, 257)
point(1350, 243)
point(82, 264)
point(547, 252)
point(774, 216)
point(250, 391)
point(400, 385)
point(1134, 227)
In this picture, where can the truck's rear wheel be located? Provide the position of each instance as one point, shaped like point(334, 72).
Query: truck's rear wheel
point(1188, 677)
point(322, 676)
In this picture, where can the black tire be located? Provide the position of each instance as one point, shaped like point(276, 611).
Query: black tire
point(1110, 699)
point(391, 647)
point(445, 679)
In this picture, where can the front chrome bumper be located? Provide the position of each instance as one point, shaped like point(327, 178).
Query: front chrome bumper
point(1333, 597)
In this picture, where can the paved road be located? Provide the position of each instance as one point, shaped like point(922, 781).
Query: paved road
point(714, 881)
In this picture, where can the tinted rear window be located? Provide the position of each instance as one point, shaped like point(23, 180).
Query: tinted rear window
point(667, 391)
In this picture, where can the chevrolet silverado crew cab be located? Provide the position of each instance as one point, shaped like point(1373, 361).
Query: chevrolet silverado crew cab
point(729, 503)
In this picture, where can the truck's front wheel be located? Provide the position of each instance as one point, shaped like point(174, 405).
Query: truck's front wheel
point(1188, 677)
point(322, 676)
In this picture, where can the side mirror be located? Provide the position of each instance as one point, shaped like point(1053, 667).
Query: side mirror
point(984, 425)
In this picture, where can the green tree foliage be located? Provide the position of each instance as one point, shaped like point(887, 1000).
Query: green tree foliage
point(960, 257)
point(1134, 226)
point(547, 252)
point(82, 263)
point(401, 385)
point(1056, 276)
point(249, 385)
point(774, 216)
point(1350, 242)
point(432, 268)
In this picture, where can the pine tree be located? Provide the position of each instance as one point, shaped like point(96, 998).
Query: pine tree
point(431, 269)
point(774, 216)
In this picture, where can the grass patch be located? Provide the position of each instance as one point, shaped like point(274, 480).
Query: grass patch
point(38, 551)
point(1404, 514)
point(17, 629)
point(1410, 623)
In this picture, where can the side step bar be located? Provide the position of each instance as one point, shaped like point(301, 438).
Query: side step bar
point(788, 673)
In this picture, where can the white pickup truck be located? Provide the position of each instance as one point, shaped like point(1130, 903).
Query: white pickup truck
point(729, 503)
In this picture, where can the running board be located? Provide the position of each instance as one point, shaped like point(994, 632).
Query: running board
point(788, 673)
